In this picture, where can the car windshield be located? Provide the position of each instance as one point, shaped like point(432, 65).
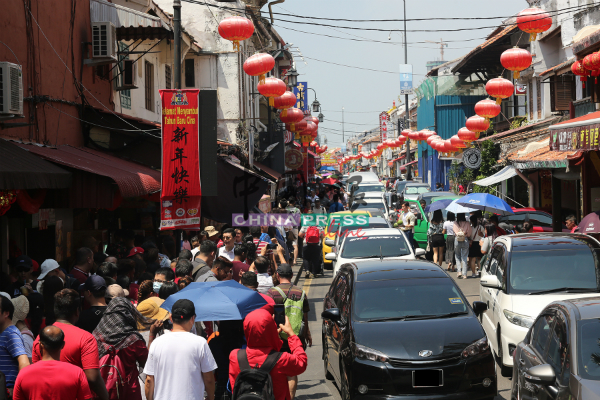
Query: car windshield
point(368, 203)
point(588, 351)
point(390, 299)
point(533, 271)
point(334, 223)
point(375, 246)
point(417, 189)
point(371, 188)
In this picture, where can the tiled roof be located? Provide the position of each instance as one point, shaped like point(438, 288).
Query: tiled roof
point(559, 66)
point(586, 117)
point(506, 31)
point(547, 121)
point(542, 154)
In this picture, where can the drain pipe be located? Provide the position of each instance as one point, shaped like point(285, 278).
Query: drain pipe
point(530, 184)
point(271, 11)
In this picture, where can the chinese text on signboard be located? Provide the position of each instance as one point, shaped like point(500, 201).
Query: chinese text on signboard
point(180, 181)
point(300, 93)
point(384, 119)
point(585, 137)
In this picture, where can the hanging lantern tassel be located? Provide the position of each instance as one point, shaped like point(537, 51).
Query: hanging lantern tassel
point(271, 101)
point(583, 80)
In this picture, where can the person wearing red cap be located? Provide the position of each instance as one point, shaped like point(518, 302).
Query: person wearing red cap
point(136, 252)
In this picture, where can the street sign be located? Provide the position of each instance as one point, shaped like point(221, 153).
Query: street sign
point(300, 93)
point(520, 89)
point(406, 79)
point(472, 158)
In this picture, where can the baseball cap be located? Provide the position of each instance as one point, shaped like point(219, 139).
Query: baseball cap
point(21, 305)
point(317, 198)
point(183, 309)
point(135, 250)
point(93, 283)
point(150, 308)
point(47, 266)
point(284, 269)
point(115, 291)
point(23, 262)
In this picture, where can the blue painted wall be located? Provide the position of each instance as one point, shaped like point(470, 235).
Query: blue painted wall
point(445, 115)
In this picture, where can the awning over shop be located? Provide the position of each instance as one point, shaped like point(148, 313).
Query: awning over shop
point(132, 179)
point(586, 37)
point(582, 133)
point(236, 187)
point(500, 176)
point(271, 172)
point(559, 69)
point(538, 155)
point(403, 167)
point(19, 169)
point(396, 159)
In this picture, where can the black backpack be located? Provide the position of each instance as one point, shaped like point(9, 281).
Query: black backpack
point(254, 383)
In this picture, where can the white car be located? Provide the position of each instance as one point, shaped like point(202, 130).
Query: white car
point(388, 243)
point(523, 274)
point(374, 223)
point(371, 200)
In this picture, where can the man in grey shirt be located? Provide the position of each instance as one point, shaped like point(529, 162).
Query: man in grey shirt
point(221, 270)
point(204, 259)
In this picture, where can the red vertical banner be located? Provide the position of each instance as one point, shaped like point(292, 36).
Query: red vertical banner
point(180, 182)
point(384, 119)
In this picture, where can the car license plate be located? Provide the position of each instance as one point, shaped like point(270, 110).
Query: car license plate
point(428, 378)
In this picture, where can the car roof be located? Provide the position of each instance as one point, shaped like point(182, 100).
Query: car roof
point(387, 269)
point(548, 241)
point(372, 195)
point(437, 194)
point(588, 307)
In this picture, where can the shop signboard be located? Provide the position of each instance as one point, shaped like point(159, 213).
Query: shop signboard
point(328, 159)
point(300, 91)
point(384, 119)
point(586, 137)
point(180, 180)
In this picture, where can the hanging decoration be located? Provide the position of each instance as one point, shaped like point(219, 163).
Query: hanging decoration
point(258, 65)
point(291, 116)
point(487, 109)
point(516, 60)
point(499, 88)
point(236, 29)
point(458, 143)
point(271, 88)
point(286, 100)
point(405, 133)
point(467, 135)
point(533, 21)
point(477, 124)
point(578, 69)
point(7, 198)
point(591, 63)
point(311, 129)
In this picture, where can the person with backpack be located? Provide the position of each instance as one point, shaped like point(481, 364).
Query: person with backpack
point(462, 236)
point(261, 370)
point(296, 305)
point(311, 250)
point(121, 348)
point(335, 204)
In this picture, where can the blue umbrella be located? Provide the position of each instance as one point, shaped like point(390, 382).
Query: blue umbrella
point(218, 301)
point(486, 202)
point(326, 168)
point(438, 205)
point(456, 208)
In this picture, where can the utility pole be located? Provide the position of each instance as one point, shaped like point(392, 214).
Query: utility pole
point(177, 40)
point(407, 115)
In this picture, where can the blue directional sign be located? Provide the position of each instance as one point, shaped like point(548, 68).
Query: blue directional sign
point(300, 93)
point(406, 79)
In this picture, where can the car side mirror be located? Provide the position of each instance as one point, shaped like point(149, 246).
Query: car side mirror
point(330, 256)
point(543, 373)
point(490, 281)
point(419, 252)
point(333, 314)
point(479, 307)
point(329, 242)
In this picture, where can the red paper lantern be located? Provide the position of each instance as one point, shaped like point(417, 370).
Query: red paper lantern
point(309, 117)
point(236, 29)
point(591, 62)
point(313, 143)
point(412, 135)
point(595, 73)
point(291, 115)
point(426, 134)
point(258, 65)
point(499, 88)
point(286, 100)
point(578, 69)
point(467, 135)
point(477, 124)
point(457, 142)
point(271, 88)
point(516, 60)
point(487, 108)
point(311, 129)
point(534, 21)
point(405, 133)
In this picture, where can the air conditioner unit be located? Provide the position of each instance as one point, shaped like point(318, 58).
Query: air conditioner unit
point(104, 41)
point(128, 78)
point(11, 90)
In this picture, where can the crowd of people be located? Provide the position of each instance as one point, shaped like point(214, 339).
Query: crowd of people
point(98, 330)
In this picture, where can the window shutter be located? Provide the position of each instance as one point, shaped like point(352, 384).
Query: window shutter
point(530, 87)
point(562, 93)
point(538, 89)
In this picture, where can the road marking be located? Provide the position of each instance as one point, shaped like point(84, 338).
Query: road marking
point(306, 286)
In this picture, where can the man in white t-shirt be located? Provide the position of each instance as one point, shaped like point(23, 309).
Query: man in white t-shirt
point(229, 243)
point(408, 223)
point(180, 364)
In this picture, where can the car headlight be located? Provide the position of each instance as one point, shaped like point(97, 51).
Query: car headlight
point(518, 319)
point(365, 353)
point(479, 347)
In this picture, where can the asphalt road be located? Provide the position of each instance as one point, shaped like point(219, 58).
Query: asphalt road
point(312, 383)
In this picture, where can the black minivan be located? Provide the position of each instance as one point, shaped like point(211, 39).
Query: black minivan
point(404, 328)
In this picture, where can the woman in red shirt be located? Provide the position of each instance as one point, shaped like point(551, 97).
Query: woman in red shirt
point(118, 331)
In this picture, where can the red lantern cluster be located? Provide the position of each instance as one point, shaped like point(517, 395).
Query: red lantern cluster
point(236, 29)
point(516, 60)
point(534, 21)
point(578, 69)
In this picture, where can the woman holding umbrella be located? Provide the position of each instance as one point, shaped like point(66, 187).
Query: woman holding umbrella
point(435, 237)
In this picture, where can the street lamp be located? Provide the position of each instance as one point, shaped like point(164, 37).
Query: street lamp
point(292, 76)
point(316, 106)
point(321, 117)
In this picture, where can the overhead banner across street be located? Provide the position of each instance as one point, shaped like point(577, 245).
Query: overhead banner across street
point(180, 181)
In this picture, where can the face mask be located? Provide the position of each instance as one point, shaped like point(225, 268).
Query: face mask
point(156, 286)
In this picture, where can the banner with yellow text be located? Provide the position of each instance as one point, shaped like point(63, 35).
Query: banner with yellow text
point(180, 184)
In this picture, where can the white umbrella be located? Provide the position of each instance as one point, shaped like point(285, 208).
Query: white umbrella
point(456, 208)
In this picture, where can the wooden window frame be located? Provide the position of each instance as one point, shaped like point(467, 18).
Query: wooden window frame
point(149, 85)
